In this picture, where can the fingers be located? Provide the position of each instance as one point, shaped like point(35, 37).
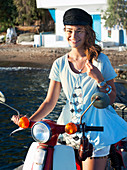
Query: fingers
point(93, 71)
point(15, 119)
point(87, 64)
point(90, 68)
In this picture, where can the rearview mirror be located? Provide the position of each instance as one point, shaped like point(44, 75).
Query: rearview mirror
point(99, 100)
point(2, 98)
point(102, 100)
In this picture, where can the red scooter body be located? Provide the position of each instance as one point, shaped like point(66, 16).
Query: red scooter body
point(56, 130)
point(116, 154)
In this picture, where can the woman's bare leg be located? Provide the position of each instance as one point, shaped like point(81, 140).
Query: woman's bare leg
point(94, 163)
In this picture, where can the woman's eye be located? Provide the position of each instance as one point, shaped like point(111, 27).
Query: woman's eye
point(68, 31)
point(79, 32)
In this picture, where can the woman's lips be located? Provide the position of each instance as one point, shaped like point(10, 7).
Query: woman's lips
point(73, 41)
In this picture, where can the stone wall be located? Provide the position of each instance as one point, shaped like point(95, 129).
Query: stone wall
point(119, 62)
point(116, 57)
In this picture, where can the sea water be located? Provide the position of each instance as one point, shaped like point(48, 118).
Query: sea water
point(25, 89)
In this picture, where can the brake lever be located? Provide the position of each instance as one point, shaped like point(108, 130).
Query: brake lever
point(16, 130)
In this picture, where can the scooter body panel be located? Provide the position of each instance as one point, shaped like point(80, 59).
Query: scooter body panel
point(64, 158)
point(35, 158)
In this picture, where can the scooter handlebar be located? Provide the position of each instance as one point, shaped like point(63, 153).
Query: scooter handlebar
point(94, 128)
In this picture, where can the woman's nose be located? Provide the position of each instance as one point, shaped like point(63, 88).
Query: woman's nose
point(74, 34)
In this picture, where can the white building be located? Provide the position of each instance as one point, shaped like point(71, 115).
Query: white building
point(107, 36)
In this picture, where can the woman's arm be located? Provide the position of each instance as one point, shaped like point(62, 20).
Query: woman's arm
point(47, 106)
point(50, 101)
point(94, 73)
point(112, 95)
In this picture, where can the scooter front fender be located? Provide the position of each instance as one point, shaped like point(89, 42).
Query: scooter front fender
point(35, 158)
point(63, 158)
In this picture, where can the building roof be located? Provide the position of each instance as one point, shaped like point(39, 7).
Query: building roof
point(66, 3)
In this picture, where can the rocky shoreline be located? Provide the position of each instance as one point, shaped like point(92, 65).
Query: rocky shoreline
point(42, 55)
point(13, 55)
point(19, 55)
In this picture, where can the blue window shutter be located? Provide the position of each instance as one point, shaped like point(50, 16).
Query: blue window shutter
point(52, 12)
point(97, 26)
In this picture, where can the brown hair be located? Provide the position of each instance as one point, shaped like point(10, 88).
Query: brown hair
point(92, 50)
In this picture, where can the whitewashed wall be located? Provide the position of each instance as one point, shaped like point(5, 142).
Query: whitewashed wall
point(91, 6)
point(65, 3)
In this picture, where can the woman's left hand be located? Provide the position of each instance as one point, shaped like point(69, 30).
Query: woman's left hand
point(94, 72)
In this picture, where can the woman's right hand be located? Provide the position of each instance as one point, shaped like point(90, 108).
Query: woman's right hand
point(15, 119)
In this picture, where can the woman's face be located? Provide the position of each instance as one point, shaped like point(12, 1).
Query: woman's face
point(75, 36)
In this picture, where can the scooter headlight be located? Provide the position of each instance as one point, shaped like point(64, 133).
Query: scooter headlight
point(41, 132)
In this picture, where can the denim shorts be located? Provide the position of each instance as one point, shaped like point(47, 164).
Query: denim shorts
point(75, 144)
point(102, 152)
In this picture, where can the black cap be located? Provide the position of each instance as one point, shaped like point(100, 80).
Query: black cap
point(76, 16)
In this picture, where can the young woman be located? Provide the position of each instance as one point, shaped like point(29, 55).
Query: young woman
point(81, 73)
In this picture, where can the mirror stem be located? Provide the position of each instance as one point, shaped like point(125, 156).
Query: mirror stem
point(10, 107)
point(97, 97)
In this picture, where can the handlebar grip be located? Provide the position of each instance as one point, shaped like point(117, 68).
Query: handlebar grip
point(94, 128)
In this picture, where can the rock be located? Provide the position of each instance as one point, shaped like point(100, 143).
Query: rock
point(116, 57)
point(2, 38)
point(121, 71)
point(28, 37)
point(121, 110)
point(121, 91)
point(120, 106)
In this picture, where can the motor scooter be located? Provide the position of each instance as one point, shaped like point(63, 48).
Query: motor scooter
point(47, 153)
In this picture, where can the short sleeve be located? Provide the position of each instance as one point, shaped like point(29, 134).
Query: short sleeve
point(54, 73)
point(108, 70)
point(105, 66)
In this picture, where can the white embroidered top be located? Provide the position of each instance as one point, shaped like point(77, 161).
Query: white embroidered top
point(79, 89)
